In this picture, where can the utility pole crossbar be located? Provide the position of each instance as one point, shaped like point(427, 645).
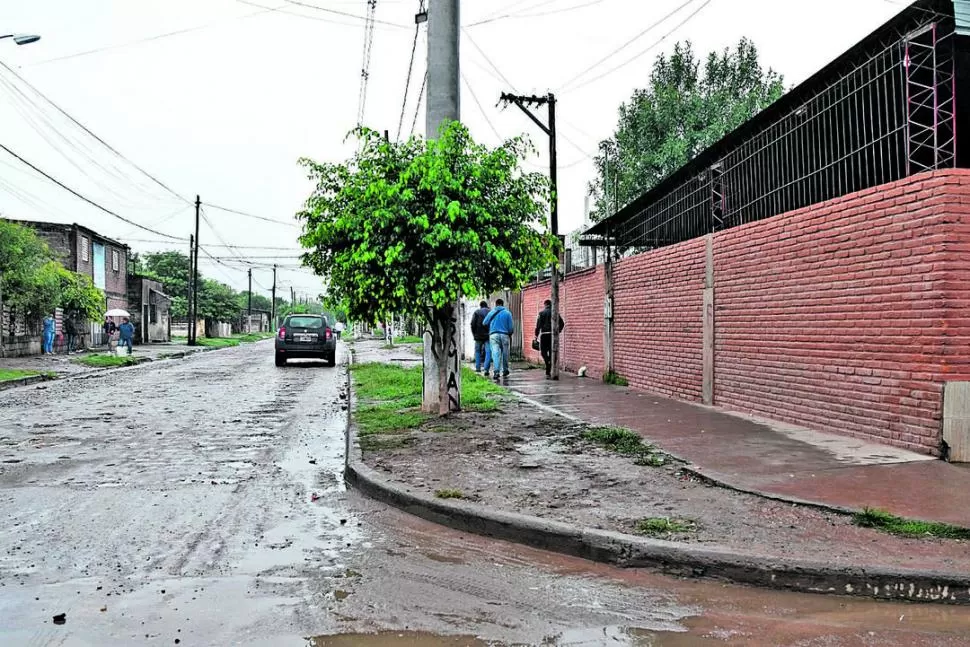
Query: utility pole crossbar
point(524, 103)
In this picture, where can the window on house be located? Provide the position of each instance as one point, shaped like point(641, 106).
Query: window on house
point(115, 260)
point(85, 249)
point(153, 313)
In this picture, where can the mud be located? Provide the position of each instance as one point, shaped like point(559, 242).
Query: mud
point(524, 460)
point(172, 502)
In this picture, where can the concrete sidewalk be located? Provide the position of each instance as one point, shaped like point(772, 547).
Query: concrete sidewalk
point(765, 457)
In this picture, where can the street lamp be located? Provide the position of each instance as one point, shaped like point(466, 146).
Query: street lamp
point(22, 39)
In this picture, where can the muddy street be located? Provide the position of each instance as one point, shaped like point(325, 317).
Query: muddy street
point(201, 502)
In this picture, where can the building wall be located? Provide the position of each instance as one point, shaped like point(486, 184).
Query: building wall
point(847, 316)
point(581, 306)
point(657, 318)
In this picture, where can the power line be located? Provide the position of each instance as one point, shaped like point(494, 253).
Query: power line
point(256, 247)
point(417, 108)
point(534, 15)
point(628, 43)
point(92, 134)
point(365, 65)
point(250, 215)
point(641, 53)
point(150, 38)
point(488, 60)
point(367, 19)
point(480, 108)
point(407, 82)
point(88, 200)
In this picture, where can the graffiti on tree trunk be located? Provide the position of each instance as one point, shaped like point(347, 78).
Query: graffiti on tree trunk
point(454, 394)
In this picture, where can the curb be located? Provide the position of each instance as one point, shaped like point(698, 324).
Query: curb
point(670, 558)
point(24, 381)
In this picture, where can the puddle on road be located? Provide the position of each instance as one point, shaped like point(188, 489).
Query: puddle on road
point(618, 636)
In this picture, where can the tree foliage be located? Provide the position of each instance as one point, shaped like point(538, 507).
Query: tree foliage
point(23, 255)
point(687, 106)
point(409, 227)
point(79, 297)
point(217, 301)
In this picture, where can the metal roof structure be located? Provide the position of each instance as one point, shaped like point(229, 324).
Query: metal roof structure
point(884, 110)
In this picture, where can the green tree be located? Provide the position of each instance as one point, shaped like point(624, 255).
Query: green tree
point(686, 107)
point(217, 301)
point(22, 256)
point(79, 297)
point(173, 271)
point(410, 227)
point(259, 302)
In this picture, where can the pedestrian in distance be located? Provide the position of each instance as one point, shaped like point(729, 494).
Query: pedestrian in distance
point(500, 330)
point(126, 333)
point(70, 331)
point(544, 335)
point(483, 350)
point(50, 325)
point(110, 330)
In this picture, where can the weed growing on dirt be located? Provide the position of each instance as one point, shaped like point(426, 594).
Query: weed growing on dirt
point(377, 442)
point(661, 526)
point(651, 460)
point(106, 361)
point(449, 493)
point(617, 439)
point(615, 379)
point(882, 520)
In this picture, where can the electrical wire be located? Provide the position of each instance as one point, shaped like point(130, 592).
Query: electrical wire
point(92, 134)
point(337, 12)
point(88, 200)
point(642, 52)
point(250, 215)
point(535, 15)
point(407, 82)
point(365, 64)
point(480, 108)
point(488, 60)
point(619, 49)
point(417, 108)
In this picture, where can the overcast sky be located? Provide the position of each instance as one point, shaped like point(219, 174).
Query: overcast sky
point(221, 97)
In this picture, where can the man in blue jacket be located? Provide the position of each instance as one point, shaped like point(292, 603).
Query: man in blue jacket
point(500, 329)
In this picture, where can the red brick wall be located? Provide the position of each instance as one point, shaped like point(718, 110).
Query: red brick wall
point(834, 316)
point(657, 319)
point(956, 340)
point(581, 304)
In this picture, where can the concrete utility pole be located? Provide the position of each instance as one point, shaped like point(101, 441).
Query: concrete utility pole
point(524, 103)
point(195, 277)
point(188, 296)
point(273, 309)
point(249, 315)
point(443, 107)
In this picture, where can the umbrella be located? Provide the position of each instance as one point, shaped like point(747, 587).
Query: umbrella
point(117, 312)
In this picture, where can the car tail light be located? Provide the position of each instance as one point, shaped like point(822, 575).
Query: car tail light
point(282, 332)
point(329, 333)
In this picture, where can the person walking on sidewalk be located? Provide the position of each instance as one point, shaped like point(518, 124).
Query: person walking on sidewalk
point(483, 350)
point(127, 332)
point(49, 326)
point(500, 329)
point(544, 335)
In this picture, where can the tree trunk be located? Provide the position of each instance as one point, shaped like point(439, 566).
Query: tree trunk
point(442, 364)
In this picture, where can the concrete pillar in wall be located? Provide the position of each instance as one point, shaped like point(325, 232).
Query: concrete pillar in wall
point(956, 422)
point(608, 315)
point(707, 390)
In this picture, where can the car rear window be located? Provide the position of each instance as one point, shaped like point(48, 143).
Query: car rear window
point(306, 322)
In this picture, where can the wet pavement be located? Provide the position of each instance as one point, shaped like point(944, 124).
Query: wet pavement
point(759, 455)
point(200, 502)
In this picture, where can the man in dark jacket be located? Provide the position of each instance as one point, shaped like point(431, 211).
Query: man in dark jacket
point(544, 335)
point(483, 350)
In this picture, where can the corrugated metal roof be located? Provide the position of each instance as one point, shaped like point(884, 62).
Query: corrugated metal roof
point(961, 10)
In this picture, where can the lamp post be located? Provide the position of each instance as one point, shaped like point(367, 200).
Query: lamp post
point(22, 39)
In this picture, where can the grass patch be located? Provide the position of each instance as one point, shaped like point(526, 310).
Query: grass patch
point(882, 520)
point(381, 419)
point(449, 493)
point(478, 393)
point(377, 382)
point(248, 338)
point(106, 361)
point(217, 342)
point(409, 339)
point(617, 439)
point(615, 378)
point(7, 374)
point(662, 526)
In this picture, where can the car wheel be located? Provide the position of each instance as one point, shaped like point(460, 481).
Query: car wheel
point(280, 360)
point(332, 359)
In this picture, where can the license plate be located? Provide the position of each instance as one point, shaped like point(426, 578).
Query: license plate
point(305, 338)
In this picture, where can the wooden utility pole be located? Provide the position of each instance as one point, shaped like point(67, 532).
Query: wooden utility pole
point(549, 128)
point(195, 277)
point(188, 285)
point(249, 315)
